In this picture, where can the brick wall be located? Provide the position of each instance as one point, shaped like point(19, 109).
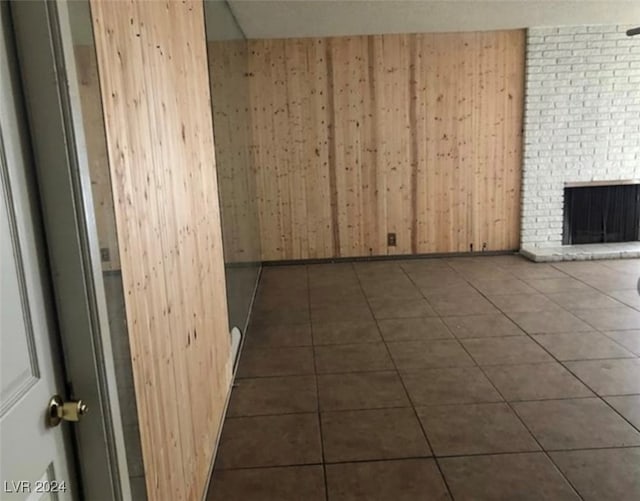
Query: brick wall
point(582, 119)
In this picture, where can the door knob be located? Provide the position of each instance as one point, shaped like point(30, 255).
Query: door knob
point(59, 410)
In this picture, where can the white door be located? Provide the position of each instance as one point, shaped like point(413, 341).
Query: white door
point(34, 457)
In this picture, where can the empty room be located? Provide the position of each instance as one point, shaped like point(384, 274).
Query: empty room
point(288, 250)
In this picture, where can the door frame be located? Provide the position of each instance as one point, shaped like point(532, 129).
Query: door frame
point(43, 36)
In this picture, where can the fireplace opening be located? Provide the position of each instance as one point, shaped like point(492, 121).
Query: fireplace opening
point(598, 214)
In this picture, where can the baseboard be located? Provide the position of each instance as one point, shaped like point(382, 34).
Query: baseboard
point(390, 257)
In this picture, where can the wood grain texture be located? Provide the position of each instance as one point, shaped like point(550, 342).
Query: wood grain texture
point(357, 137)
point(228, 72)
point(228, 68)
point(152, 64)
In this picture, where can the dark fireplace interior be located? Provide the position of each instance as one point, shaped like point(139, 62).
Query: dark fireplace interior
point(597, 214)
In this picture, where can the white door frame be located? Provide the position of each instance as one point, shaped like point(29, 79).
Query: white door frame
point(55, 123)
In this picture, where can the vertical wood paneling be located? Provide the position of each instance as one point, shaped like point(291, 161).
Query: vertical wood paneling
point(423, 139)
point(152, 64)
point(228, 68)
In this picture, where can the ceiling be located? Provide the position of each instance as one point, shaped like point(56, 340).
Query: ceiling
point(316, 18)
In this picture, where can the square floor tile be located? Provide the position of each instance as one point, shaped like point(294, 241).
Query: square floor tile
point(280, 315)
point(534, 271)
point(457, 304)
point(439, 279)
point(523, 303)
point(541, 322)
point(601, 475)
point(398, 307)
point(576, 424)
point(492, 325)
point(266, 336)
point(361, 390)
point(425, 265)
point(291, 483)
point(536, 382)
point(629, 339)
point(629, 297)
point(273, 395)
point(286, 300)
point(611, 319)
point(352, 358)
point(511, 285)
point(624, 265)
point(276, 362)
point(372, 434)
point(475, 429)
point(445, 289)
point(346, 295)
point(291, 439)
point(578, 300)
point(429, 354)
point(505, 350)
point(449, 386)
point(396, 288)
point(628, 406)
point(340, 312)
point(609, 281)
point(346, 332)
point(408, 329)
point(553, 285)
point(581, 346)
point(403, 480)
point(521, 477)
point(609, 377)
point(480, 271)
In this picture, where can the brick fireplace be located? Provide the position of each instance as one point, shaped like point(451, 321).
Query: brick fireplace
point(582, 120)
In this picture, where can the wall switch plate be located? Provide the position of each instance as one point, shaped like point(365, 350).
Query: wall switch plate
point(104, 254)
point(391, 239)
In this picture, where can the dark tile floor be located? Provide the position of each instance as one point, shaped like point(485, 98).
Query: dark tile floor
point(463, 378)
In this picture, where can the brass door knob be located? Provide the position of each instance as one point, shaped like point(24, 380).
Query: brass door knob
point(59, 410)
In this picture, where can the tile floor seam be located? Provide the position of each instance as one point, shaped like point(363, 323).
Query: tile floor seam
point(413, 407)
point(526, 427)
point(579, 279)
point(531, 336)
point(449, 265)
point(601, 398)
point(433, 457)
point(296, 413)
point(315, 374)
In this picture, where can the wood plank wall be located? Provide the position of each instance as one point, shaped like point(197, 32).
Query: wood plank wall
point(152, 63)
point(228, 67)
point(357, 137)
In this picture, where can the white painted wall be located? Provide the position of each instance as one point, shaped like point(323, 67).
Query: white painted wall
point(306, 18)
point(582, 119)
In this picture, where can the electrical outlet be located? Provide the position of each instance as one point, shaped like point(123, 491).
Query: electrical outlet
point(391, 239)
point(104, 254)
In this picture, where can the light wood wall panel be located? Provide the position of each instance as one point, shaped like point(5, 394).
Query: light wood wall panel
point(228, 67)
point(418, 135)
point(152, 64)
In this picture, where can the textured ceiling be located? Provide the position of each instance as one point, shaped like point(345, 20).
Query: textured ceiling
point(307, 18)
